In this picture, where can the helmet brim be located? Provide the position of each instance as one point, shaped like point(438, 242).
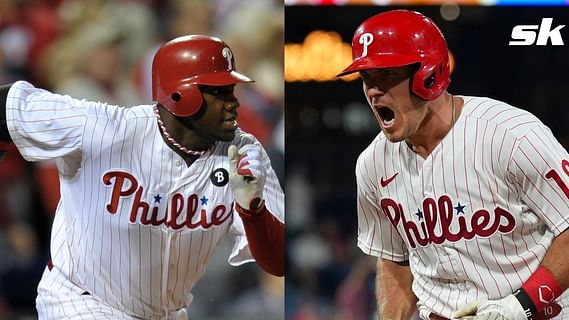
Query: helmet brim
point(222, 78)
point(380, 61)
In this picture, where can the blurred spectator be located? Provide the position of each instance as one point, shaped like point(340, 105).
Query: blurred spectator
point(19, 279)
point(261, 104)
point(102, 44)
point(27, 28)
point(354, 297)
point(15, 190)
point(96, 71)
point(189, 17)
point(265, 299)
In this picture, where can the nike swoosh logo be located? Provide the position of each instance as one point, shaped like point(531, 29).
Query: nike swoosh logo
point(386, 182)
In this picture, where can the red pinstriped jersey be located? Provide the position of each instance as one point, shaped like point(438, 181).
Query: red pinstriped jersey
point(476, 217)
point(135, 225)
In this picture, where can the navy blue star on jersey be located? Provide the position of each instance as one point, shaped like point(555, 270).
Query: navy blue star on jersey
point(419, 214)
point(459, 209)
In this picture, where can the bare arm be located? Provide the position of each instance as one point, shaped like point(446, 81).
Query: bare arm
point(556, 258)
point(395, 299)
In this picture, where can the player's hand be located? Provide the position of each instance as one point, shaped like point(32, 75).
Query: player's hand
point(247, 175)
point(508, 308)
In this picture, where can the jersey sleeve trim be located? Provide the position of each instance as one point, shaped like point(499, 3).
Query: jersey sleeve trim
point(240, 253)
point(384, 254)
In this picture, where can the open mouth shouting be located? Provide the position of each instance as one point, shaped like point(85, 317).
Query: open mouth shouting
point(386, 116)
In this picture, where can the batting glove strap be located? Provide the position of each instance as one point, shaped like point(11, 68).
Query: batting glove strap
point(527, 304)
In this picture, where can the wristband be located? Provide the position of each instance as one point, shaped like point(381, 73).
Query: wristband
point(526, 302)
point(538, 292)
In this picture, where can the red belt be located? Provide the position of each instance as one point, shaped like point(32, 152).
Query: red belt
point(433, 316)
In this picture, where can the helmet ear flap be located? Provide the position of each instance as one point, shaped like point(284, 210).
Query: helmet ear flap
point(423, 85)
point(193, 99)
point(186, 101)
point(430, 82)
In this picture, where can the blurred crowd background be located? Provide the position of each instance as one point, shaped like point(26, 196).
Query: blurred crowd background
point(328, 124)
point(102, 50)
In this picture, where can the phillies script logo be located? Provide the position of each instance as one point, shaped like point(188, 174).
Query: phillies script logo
point(481, 223)
point(124, 185)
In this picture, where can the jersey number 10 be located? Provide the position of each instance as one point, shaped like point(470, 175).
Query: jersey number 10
point(552, 174)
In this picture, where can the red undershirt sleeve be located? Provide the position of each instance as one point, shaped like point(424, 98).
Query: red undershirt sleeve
point(265, 235)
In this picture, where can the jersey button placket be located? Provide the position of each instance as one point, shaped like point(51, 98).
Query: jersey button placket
point(428, 177)
point(171, 263)
point(445, 258)
point(173, 250)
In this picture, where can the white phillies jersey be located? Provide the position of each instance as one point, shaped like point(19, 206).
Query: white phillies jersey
point(475, 218)
point(135, 226)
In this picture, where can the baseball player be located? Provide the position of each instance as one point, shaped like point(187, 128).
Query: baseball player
point(464, 200)
point(147, 192)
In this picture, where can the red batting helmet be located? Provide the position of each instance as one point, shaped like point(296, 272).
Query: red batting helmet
point(182, 64)
point(402, 37)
